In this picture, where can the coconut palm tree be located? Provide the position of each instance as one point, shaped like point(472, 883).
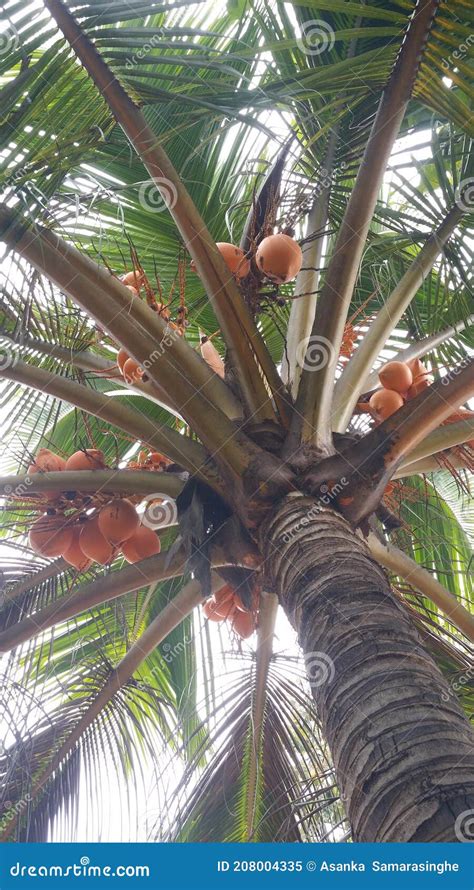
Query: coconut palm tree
point(134, 137)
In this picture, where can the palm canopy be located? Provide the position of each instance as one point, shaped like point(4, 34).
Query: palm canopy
point(113, 665)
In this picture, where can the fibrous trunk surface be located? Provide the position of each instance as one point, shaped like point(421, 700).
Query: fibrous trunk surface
point(402, 748)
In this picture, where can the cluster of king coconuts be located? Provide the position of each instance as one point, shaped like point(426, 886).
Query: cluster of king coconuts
point(83, 539)
point(278, 257)
point(401, 382)
point(227, 605)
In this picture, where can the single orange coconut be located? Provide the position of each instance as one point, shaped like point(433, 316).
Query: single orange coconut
point(143, 543)
point(210, 612)
point(122, 357)
point(421, 378)
point(385, 402)
point(74, 554)
point(89, 459)
point(134, 278)
point(417, 368)
point(418, 386)
point(396, 376)
point(224, 602)
point(279, 257)
point(118, 521)
point(224, 594)
point(215, 611)
point(234, 258)
point(93, 544)
point(50, 536)
point(47, 462)
point(244, 625)
point(131, 371)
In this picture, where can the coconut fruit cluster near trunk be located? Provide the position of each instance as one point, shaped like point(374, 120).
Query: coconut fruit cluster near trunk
point(401, 382)
point(227, 605)
point(99, 538)
point(98, 534)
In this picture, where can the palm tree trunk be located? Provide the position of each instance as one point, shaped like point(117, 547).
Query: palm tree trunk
point(402, 748)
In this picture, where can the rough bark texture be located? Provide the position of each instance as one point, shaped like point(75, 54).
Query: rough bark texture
point(402, 748)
